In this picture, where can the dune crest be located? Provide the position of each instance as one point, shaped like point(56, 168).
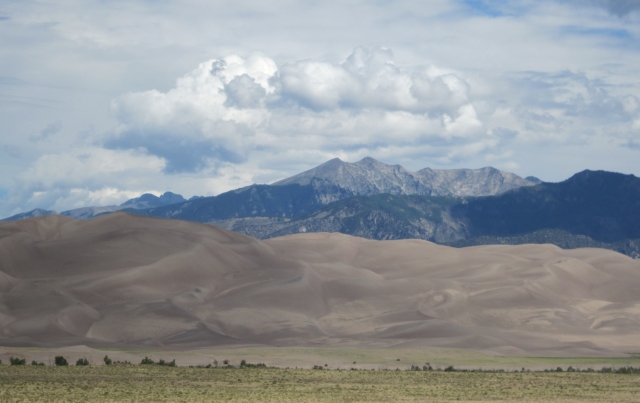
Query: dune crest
point(124, 280)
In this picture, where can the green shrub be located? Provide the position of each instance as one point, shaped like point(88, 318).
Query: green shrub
point(82, 362)
point(60, 361)
point(40, 364)
point(245, 364)
point(107, 360)
point(17, 361)
point(628, 370)
point(147, 361)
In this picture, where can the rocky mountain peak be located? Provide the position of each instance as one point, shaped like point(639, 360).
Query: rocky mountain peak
point(370, 176)
point(150, 200)
point(533, 179)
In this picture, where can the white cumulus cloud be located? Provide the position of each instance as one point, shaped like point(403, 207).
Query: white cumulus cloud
point(227, 109)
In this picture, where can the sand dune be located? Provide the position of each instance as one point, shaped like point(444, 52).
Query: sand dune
point(123, 280)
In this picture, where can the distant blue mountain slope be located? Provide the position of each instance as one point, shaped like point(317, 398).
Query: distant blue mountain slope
point(147, 200)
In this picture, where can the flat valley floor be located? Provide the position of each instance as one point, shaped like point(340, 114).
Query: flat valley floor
point(350, 375)
point(145, 383)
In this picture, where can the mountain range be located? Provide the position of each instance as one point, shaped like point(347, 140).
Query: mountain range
point(329, 182)
point(264, 211)
point(461, 207)
point(591, 209)
point(146, 200)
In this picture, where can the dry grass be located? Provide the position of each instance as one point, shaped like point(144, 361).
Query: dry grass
point(161, 384)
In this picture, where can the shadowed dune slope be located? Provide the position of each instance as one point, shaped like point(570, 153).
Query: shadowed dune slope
point(124, 280)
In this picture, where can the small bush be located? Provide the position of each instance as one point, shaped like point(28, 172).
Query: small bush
point(245, 364)
point(17, 361)
point(107, 360)
point(147, 361)
point(40, 364)
point(449, 368)
point(559, 369)
point(82, 362)
point(628, 370)
point(60, 361)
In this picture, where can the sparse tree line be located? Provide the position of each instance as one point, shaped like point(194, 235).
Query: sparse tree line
point(603, 370)
point(60, 361)
point(227, 364)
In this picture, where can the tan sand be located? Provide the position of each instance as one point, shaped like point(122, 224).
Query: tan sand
point(124, 281)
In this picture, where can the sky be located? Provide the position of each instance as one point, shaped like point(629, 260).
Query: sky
point(101, 101)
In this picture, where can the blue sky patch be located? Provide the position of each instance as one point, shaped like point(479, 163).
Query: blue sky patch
point(605, 32)
point(482, 7)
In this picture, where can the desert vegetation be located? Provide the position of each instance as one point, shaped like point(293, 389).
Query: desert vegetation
point(120, 382)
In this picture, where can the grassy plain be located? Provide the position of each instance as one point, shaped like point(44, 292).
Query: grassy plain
point(376, 379)
point(144, 383)
point(335, 358)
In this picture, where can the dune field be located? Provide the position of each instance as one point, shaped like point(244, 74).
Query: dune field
point(123, 281)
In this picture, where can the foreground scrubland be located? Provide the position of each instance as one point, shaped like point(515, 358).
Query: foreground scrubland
point(152, 383)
